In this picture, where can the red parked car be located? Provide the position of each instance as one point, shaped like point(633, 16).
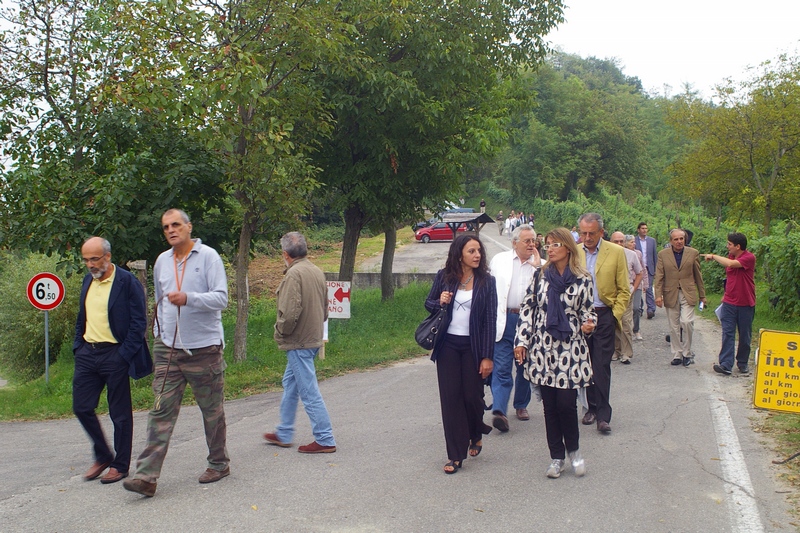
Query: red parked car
point(438, 232)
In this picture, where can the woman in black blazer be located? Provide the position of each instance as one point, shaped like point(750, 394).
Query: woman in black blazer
point(463, 355)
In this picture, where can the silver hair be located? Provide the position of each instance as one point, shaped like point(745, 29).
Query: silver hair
point(520, 229)
point(592, 217)
point(106, 245)
point(181, 212)
point(294, 244)
point(629, 238)
point(673, 230)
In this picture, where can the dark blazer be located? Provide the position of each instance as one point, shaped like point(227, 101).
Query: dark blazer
point(650, 258)
point(482, 316)
point(127, 317)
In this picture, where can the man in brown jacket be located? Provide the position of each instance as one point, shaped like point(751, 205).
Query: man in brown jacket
point(677, 286)
point(302, 311)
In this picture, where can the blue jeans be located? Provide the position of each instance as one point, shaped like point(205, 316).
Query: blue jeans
point(735, 317)
point(300, 381)
point(501, 372)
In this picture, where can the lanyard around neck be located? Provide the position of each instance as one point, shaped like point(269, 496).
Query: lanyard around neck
point(179, 279)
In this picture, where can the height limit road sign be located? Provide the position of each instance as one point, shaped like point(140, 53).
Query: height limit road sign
point(45, 291)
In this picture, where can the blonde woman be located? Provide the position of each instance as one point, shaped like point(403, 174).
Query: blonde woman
point(555, 317)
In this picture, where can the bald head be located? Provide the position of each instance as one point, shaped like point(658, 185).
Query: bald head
point(96, 252)
point(618, 238)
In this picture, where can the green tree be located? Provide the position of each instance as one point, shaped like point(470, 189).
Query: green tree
point(78, 166)
point(744, 150)
point(236, 75)
point(426, 99)
point(582, 132)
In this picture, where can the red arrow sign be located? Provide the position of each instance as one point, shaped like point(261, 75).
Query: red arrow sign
point(341, 295)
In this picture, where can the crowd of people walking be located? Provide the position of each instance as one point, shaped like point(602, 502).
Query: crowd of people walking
point(560, 310)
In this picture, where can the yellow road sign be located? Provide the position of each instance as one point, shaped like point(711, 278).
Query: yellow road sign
point(777, 379)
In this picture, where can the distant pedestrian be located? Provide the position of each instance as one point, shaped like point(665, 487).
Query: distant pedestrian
point(623, 342)
point(191, 290)
point(555, 318)
point(109, 346)
point(501, 224)
point(302, 311)
point(738, 304)
point(463, 354)
point(647, 245)
point(630, 244)
point(483, 205)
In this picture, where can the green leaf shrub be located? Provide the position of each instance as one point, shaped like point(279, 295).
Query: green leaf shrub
point(22, 325)
point(779, 259)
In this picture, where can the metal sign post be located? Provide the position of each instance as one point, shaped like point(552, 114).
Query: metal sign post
point(46, 292)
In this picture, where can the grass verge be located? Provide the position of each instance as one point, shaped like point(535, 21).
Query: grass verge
point(378, 333)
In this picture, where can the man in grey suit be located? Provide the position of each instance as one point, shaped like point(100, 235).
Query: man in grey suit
point(647, 245)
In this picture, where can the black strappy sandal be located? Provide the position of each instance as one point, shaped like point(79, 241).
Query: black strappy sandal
point(475, 448)
point(453, 465)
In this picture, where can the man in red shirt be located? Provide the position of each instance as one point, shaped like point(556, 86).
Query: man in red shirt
point(738, 304)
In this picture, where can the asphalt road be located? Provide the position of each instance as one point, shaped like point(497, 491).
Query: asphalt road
point(683, 455)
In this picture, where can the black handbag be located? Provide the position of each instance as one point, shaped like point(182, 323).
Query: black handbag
point(430, 328)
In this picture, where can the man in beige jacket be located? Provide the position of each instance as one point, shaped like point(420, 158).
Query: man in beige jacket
point(302, 310)
point(677, 286)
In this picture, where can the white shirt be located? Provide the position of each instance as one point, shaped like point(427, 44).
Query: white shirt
point(459, 323)
point(521, 276)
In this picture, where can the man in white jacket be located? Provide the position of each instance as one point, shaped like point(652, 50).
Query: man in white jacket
point(513, 271)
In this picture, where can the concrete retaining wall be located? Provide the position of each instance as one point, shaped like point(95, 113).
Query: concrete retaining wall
point(368, 280)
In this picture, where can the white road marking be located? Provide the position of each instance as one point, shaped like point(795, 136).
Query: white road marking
point(741, 496)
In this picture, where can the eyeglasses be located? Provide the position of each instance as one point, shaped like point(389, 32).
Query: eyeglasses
point(527, 241)
point(554, 245)
point(87, 260)
point(589, 233)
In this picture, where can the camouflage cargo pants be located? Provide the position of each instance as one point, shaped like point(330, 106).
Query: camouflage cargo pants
point(203, 370)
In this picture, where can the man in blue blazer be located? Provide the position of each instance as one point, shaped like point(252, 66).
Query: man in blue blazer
point(109, 346)
point(647, 245)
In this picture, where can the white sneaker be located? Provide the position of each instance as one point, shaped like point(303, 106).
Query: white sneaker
point(555, 468)
point(577, 463)
point(638, 337)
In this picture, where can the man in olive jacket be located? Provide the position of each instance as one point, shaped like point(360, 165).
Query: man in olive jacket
point(302, 311)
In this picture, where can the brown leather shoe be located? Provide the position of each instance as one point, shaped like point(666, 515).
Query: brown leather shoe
point(589, 418)
point(316, 447)
point(145, 488)
point(273, 439)
point(112, 476)
point(603, 427)
point(95, 470)
point(522, 414)
point(211, 475)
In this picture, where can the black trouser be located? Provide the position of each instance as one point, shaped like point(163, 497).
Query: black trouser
point(560, 420)
point(601, 350)
point(95, 368)
point(461, 396)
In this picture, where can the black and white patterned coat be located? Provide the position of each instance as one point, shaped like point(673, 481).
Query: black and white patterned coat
point(551, 362)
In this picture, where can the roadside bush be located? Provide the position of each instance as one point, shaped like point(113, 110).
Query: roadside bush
point(22, 325)
point(779, 257)
point(707, 242)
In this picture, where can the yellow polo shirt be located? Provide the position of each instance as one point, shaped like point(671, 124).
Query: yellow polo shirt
point(97, 326)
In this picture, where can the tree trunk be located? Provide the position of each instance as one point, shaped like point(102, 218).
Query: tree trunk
point(242, 289)
point(387, 280)
point(354, 220)
point(767, 214)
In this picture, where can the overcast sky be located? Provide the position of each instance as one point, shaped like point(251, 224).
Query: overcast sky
point(697, 41)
